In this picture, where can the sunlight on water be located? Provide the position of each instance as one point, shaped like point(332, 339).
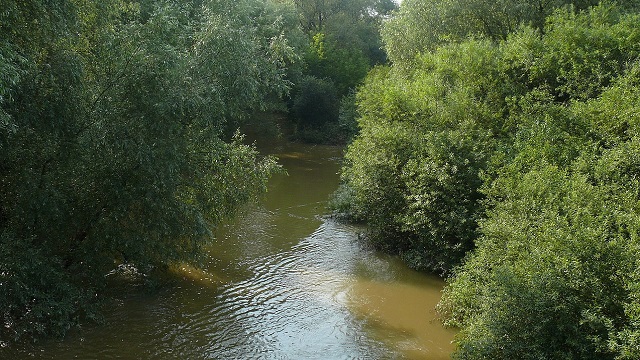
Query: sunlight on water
point(282, 281)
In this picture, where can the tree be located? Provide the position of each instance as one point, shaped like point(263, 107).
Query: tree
point(549, 278)
point(421, 26)
point(414, 170)
point(553, 275)
point(511, 164)
point(315, 15)
point(316, 107)
point(114, 149)
point(345, 67)
point(344, 43)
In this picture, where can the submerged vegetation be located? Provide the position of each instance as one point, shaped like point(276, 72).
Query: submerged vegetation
point(501, 149)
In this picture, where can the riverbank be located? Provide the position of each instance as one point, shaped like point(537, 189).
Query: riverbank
point(283, 280)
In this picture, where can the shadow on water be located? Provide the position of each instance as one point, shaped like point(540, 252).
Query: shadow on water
point(282, 282)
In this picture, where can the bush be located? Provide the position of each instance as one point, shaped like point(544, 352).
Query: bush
point(554, 274)
point(522, 157)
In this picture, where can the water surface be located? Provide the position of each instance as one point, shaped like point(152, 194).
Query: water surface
point(283, 281)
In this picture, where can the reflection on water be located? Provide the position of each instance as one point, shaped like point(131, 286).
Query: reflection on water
point(402, 315)
point(282, 282)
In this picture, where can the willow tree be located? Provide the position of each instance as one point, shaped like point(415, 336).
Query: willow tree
point(554, 273)
point(112, 141)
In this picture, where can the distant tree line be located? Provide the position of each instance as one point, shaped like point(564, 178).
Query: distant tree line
point(501, 148)
point(343, 44)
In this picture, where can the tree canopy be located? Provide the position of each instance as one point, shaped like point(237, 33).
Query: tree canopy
point(343, 45)
point(114, 145)
point(424, 25)
point(503, 154)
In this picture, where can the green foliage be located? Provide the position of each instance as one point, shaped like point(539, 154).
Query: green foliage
point(578, 55)
point(114, 149)
point(316, 15)
point(348, 117)
point(345, 66)
point(553, 275)
point(614, 115)
point(414, 171)
point(517, 150)
point(421, 26)
point(344, 43)
point(550, 273)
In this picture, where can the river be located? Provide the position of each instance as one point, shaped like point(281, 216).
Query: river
point(283, 281)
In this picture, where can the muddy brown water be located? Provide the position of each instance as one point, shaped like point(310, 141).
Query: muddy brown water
point(283, 281)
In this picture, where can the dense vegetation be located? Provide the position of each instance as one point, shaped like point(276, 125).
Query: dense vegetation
point(502, 148)
point(116, 140)
point(119, 147)
point(343, 43)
